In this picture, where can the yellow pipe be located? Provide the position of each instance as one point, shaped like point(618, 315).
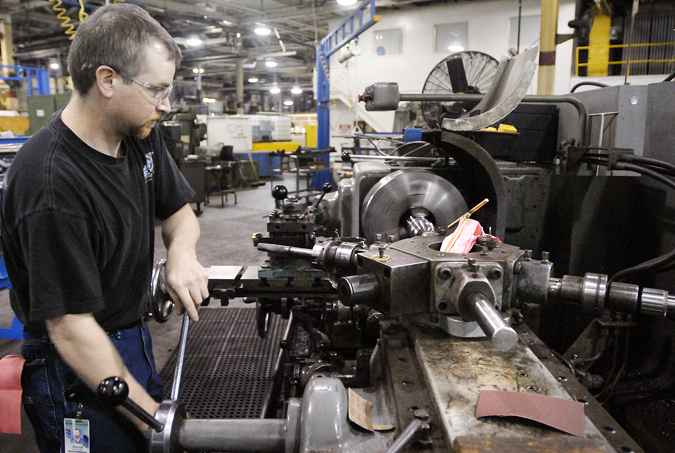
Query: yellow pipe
point(598, 53)
point(549, 29)
point(6, 43)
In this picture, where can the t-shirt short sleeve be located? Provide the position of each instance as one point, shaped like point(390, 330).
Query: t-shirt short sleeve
point(61, 251)
point(172, 190)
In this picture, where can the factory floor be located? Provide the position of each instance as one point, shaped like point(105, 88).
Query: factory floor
point(225, 240)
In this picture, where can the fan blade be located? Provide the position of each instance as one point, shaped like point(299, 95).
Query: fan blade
point(457, 75)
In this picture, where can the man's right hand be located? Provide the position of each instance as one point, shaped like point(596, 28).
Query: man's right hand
point(86, 348)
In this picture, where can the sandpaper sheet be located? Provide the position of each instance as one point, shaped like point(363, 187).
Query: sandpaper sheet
point(11, 367)
point(565, 415)
point(359, 413)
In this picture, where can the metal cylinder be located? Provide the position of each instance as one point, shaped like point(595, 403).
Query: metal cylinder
point(593, 290)
point(623, 297)
point(569, 289)
point(405, 437)
point(248, 435)
point(503, 337)
point(286, 250)
point(344, 256)
point(671, 307)
point(589, 291)
point(654, 302)
point(357, 289)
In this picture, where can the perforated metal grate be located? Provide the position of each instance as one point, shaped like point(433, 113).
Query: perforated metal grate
point(228, 367)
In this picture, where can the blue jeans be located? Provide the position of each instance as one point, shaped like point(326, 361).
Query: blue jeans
point(46, 378)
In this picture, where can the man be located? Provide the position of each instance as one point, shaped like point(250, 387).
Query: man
point(78, 233)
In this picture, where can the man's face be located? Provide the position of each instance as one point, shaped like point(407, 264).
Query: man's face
point(141, 107)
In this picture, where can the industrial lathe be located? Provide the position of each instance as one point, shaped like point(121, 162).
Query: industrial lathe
point(415, 331)
point(394, 340)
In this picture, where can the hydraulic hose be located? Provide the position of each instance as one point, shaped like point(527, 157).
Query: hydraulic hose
point(663, 261)
point(581, 84)
point(631, 158)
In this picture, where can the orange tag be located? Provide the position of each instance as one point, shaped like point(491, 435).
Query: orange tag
point(11, 368)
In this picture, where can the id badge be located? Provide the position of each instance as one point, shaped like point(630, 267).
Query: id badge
point(76, 435)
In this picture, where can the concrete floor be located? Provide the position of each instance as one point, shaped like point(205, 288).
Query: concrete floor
point(225, 240)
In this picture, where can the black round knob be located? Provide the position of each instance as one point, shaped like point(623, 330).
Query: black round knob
point(280, 192)
point(327, 187)
point(346, 157)
point(113, 390)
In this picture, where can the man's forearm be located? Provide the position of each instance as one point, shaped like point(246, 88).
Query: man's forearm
point(181, 230)
point(187, 280)
point(86, 348)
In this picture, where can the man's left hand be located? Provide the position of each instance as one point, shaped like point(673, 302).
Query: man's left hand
point(186, 281)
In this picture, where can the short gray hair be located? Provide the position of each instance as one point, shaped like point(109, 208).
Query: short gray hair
point(115, 35)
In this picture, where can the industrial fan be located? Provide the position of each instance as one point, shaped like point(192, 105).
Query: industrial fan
point(462, 72)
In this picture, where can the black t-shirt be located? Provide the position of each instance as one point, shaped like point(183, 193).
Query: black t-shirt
point(78, 225)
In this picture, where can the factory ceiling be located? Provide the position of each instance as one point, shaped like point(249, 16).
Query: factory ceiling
point(226, 29)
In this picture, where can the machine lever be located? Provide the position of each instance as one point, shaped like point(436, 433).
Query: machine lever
point(503, 337)
point(115, 391)
point(175, 388)
point(327, 188)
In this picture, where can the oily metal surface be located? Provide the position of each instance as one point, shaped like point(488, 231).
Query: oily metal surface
point(399, 192)
point(456, 371)
point(608, 427)
point(228, 367)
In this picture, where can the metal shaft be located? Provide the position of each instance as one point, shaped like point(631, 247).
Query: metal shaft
point(175, 388)
point(286, 250)
point(249, 435)
point(503, 337)
point(142, 415)
point(405, 437)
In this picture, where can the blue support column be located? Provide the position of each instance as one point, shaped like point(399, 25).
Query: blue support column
point(323, 100)
point(43, 81)
point(360, 19)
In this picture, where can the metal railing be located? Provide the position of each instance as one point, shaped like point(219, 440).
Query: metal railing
point(629, 62)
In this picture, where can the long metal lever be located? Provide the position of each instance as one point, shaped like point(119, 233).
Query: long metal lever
point(175, 388)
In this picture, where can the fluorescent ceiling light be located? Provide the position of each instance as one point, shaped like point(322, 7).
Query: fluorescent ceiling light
point(262, 30)
point(346, 2)
point(296, 90)
point(198, 70)
point(193, 42)
point(456, 49)
point(271, 64)
point(208, 100)
point(288, 102)
point(253, 80)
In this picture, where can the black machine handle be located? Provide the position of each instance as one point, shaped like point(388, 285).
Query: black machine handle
point(115, 391)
